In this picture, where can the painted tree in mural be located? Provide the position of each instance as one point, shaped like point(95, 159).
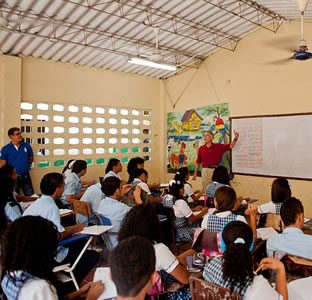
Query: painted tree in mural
point(171, 117)
point(219, 125)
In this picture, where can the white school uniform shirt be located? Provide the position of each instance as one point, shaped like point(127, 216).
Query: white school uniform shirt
point(181, 209)
point(165, 259)
point(261, 289)
point(267, 208)
point(93, 195)
point(143, 185)
point(37, 289)
point(188, 191)
point(46, 208)
point(112, 174)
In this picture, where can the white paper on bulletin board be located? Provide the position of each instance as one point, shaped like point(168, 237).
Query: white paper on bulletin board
point(273, 146)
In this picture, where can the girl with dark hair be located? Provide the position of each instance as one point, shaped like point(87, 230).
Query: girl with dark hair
point(135, 163)
point(140, 177)
point(188, 190)
point(143, 221)
point(220, 177)
point(68, 168)
point(27, 261)
point(280, 191)
point(138, 163)
point(113, 168)
point(10, 210)
point(234, 269)
point(182, 211)
point(9, 171)
point(224, 201)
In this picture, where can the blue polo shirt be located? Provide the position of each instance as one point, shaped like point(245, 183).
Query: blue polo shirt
point(17, 158)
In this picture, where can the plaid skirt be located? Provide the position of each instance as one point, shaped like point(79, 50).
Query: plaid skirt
point(182, 294)
point(184, 232)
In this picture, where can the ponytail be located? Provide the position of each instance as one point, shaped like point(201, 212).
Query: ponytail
point(237, 267)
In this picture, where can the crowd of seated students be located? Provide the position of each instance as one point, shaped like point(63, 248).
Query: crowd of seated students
point(238, 233)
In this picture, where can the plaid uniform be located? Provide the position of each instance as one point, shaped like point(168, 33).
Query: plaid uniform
point(184, 232)
point(213, 274)
point(216, 224)
point(278, 208)
point(11, 287)
point(167, 201)
point(212, 187)
point(183, 293)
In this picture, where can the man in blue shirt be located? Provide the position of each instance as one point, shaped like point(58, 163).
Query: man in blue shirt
point(20, 155)
point(292, 240)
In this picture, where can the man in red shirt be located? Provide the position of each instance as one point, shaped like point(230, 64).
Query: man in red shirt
point(210, 155)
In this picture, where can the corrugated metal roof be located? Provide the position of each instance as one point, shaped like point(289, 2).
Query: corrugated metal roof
point(104, 33)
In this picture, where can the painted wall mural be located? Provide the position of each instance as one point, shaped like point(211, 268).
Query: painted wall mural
point(185, 132)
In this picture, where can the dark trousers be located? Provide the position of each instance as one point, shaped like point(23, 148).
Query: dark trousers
point(89, 259)
point(24, 182)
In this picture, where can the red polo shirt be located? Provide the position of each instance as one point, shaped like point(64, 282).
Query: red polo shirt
point(212, 156)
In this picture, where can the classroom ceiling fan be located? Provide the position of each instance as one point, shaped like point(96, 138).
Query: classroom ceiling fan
point(302, 53)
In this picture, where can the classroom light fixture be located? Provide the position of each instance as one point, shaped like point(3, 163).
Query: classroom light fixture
point(152, 64)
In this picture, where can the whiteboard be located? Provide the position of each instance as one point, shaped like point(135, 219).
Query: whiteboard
point(279, 146)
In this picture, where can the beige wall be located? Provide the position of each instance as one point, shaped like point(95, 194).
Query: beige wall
point(55, 82)
point(253, 86)
point(10, 95)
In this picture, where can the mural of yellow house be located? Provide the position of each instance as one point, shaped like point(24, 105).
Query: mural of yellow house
point(191, 120)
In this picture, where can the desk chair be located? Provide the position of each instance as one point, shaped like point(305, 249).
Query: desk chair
point(66, 267)
point(81, 207)
point(101, 220)
point(271, 220)
point(203, 290)
point(90, 233)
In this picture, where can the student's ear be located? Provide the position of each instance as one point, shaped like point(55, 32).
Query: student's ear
point(154, 277)
point(215, 202)
point(300, 218)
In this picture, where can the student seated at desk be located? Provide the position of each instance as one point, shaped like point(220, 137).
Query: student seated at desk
point(68, 168)
point(225, 200)
point(27, 261)
point(292, 240)
point(113, 168)
point(143, 221)
point(93, 195)
point(140, 177)
point(183, 213)
point(234, 269)
point(132, 265)
point(188, 190)
point(220, 177)
point(111, 208)
point(52, 187)
point(280, 191)
point(9, 171)
point(10, 210)
point(73, 185)
point(138, 163)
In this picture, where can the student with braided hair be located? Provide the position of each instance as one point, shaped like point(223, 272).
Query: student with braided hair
point(234, 269)
point(183, 213)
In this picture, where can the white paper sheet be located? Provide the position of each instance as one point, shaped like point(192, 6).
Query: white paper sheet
point(102, 274)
